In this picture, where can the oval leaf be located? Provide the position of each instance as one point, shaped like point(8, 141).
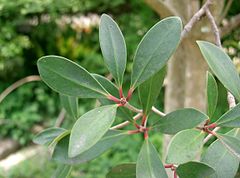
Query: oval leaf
point(47, 136)
point(155, 49)
point(231, 143)
point(178, 120)
point(219, 158)
point(195, 170)
point(63, 171)
point(70, 104)
point(113, 47)
point(148, 163)
point(150, 89)
point(123, 171)
point(60, 153)
point(230, 118)
point(69, 78)
point(184, 146)
point(222, 66)
point(90, 128)
point(107, 84)
point(212, 94)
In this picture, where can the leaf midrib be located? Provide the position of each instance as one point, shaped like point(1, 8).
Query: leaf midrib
point(114, 54)
point(147, 63)
point(76, 82)
point(149, 160)
point(235, 90)
point(226, 121)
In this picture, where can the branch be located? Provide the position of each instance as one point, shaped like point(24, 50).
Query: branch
point(139, 115)
point(160, 7)
point(214, 28)
point(132, 108)
point(196, 17)
point(158, 112)
point(17, 84)
point(230, 97)
point(210, 135)
point(231, 24)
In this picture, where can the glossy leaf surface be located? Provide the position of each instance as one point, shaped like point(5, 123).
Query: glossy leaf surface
point(148, 163)
point(60, 153)
point(70, 104)
point(231, 143)
point(149, 90)
point(112, 89)
point(218, 157)
point(181, 119)
point(90, 128)
point(231, 118)
point(107, 84)
point(222, 66)
point(113, 47)
point(69, 78)
point(184, 146)
point(195, 170)
point(212, 94)
point(47, 136)
point(155, 49)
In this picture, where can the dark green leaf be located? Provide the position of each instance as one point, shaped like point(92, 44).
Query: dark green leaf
point(212, 94)
point(178, 120)
point(47, 136)
point(149, 90)
point(230, 118)
point(148, 163)
point(218, 157)
point(222, 66)
point(184, 146)
point(70, 104)
point(125, 113)
point(195, 170)
point(69, 78)
point(123, 171)
point(113, 47)
point(63, 171)
point(107, 84)
point(60, 153)
point(231, 143)
point(112, 89)
point(90, 128)
point(155, 49)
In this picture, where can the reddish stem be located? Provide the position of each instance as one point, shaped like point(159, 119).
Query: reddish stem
point(144, 117)
point(146, 134)
point(113, 98)
point(175, 174)
point(136, 125)
point(213, 125)
point(168, 165)
point(210, 132)
point(130, 91)
point(131, 132)
point(120, 92)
